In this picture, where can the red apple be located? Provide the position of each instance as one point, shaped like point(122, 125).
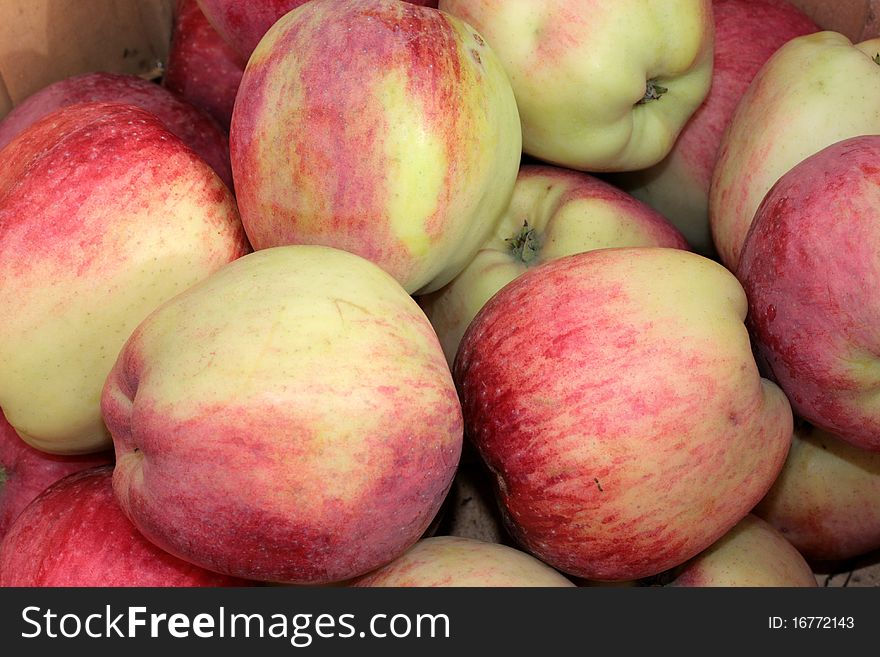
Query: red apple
point(810, 269)
point(290, 419)
point(104, 215)
point(751, 554)
point(197, 130)
point(243, 24)
point(747, 33)
point(404, 151)
point(75, 534)
point(202, 68)
point(614, 395)
point(26, 472)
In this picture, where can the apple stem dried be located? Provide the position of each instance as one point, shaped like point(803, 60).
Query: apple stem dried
point(653, 91)
point(525, 245)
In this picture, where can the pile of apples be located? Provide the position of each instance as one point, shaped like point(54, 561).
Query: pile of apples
point(622, 254)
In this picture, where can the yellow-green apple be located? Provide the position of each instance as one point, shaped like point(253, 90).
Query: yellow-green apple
point(289, 419)
point(26, 472)
point(75, 534)
point(814, 91)
point(601, 86)
point(826, 501)
point(198, 130)
point(456, 561)
point(243, 24)
point(809, 267)
point(202, 68)
point(614, 395)
point(405, 151)
point(553, 212)
point(747, 33)
point(753, 553)
point(104, 214)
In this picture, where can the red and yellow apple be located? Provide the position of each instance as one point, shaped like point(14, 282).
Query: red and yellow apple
point(814, 91)
point(553, 213)
point(378, 127)
point(104, 214)
point(753, 553)
point(614, 395)
point(810, 269)
point(455, 561)
point(289, 419)
point(601, 86)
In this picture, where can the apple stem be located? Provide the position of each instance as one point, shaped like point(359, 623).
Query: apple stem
point(525, 245)
point(653, 91)
point(2, 477)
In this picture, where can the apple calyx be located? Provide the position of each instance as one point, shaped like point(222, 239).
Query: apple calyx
point(525, 245)
point(653, 91)
point(876, 58)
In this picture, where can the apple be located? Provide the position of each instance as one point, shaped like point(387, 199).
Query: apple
point(243, 24)
point(858, 20)
point(75, 534)
point(747, 33)
point(289, 419)
point(198, 130)
point(202, 68)
point(615, 398)
point(26, 472)
point(553, 213)
point(825, 499)
point(455, 561)
point(406, 155)
point(814, 91)
point(104, 214)
point(809, 267)
point(753, 553)
point(601, 86)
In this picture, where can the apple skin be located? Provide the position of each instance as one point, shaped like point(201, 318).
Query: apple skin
point(406, 156)
point(104, 214)
point(75, 534)
point(814, 91)
point(290, 419)
point(614, 395)
point(809, 267)
point(242, 24)
point(26, 472)
point(580, 69)
point(825, 499)
point(198, 130)
point(753, 553)
point(202, 68)
point(445, 561)
point(747, 33)
point(569, 212)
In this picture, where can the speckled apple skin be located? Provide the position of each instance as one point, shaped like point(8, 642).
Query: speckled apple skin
point(455, 561)
point(26, 472)
point(614, 395)
point(75, 534)
point(104, 214)
point(810, 269)
point(197, 130)
point(826, 500)
point(380, 128)
point(291, 419)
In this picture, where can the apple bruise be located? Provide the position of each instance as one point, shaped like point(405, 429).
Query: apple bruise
point(331, 177)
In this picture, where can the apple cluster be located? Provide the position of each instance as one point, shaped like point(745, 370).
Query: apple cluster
point(619, 258)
